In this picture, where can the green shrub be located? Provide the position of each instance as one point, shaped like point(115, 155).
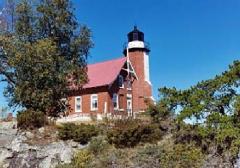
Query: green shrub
point(66, 131)
point(80, 133)
point(82, 159)
point(150, 133)
point(147, 156)
point(66, 165)
point(182, 156)
point(207, 138)
point(112, 157)
point(30, 119)
point(129, 133)
point(98, 144)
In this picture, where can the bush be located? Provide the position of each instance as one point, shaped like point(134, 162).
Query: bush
point(112, 157)
point(98, 145)
point(80, 133)
point(207, 138)
point(182, 155)
point(80, 160)
point(147, 156)
point(66, 165)
point(66, 131)
point(30, 119)
point(150, 133)
point(129, 133)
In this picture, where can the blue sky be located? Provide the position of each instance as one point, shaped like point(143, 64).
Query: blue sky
point(190, 40)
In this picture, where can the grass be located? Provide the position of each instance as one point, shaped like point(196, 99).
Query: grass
point(48, 136)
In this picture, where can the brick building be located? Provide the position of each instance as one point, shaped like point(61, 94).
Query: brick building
point(117, 87)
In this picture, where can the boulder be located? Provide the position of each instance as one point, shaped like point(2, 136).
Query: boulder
point(15, 152)
point(41, 130)
point(237, 164)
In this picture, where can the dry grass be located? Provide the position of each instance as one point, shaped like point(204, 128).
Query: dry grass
point(48, 136)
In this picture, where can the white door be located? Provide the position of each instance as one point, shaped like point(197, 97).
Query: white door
point(129, 105)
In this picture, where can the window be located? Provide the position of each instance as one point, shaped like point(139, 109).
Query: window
point(94, 102)
point(115, 101)
point(135, 36)
point(78, 104)
point(120, 81)
point(129, 85)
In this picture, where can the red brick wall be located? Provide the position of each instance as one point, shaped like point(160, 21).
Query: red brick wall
point(141, 88)
point(140, 91)
point(105, 94)
point(122, 95)
point(86, 99)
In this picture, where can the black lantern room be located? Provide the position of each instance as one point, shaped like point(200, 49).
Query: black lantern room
point(135, 35)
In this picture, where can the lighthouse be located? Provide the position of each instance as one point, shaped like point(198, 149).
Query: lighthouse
point(137, 51)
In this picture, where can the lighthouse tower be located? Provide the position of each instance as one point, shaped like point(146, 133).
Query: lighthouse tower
point(138, 53)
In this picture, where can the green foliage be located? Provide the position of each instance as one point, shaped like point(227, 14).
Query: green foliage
point(66, 131)
point(159, 112)
point(182, 156)
point(98, 145)
point(164, 156)
point(80, 133)
point(65, 166)
point(112, 158)
point(210, 140)
point(29, 119)
point(129, 133)
point(44, 54)
point(213, 108)
point(148, 156)
point(210, 96)
point(80, 160)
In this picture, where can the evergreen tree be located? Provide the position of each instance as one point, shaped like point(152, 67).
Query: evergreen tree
point(213, 109)
point(44, 56)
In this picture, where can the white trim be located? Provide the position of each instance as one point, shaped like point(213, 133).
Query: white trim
point(146, 68)
point(133, 69)
point(78, 97)
point(105, 108)
point(136, 44)
point(129, 100)
point(94, 108)
point(129, 95)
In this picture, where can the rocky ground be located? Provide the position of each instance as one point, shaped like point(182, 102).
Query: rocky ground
point(42, 149)
point(37, 149)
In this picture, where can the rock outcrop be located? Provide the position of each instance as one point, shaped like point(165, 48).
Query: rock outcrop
point(17, 152)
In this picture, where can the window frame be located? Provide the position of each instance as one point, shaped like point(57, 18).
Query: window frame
point(92, 99)
point(78, 97)
point(120, 78)
point(115, 96)
point(129, 85)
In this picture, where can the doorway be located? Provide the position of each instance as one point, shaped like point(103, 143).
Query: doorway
point(129, 105)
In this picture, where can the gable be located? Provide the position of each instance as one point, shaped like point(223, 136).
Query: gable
point(104, 73)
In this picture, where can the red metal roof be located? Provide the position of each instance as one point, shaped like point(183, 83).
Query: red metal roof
point(104, 73)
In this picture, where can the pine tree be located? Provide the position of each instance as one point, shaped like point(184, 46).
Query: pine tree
point(44, 55)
